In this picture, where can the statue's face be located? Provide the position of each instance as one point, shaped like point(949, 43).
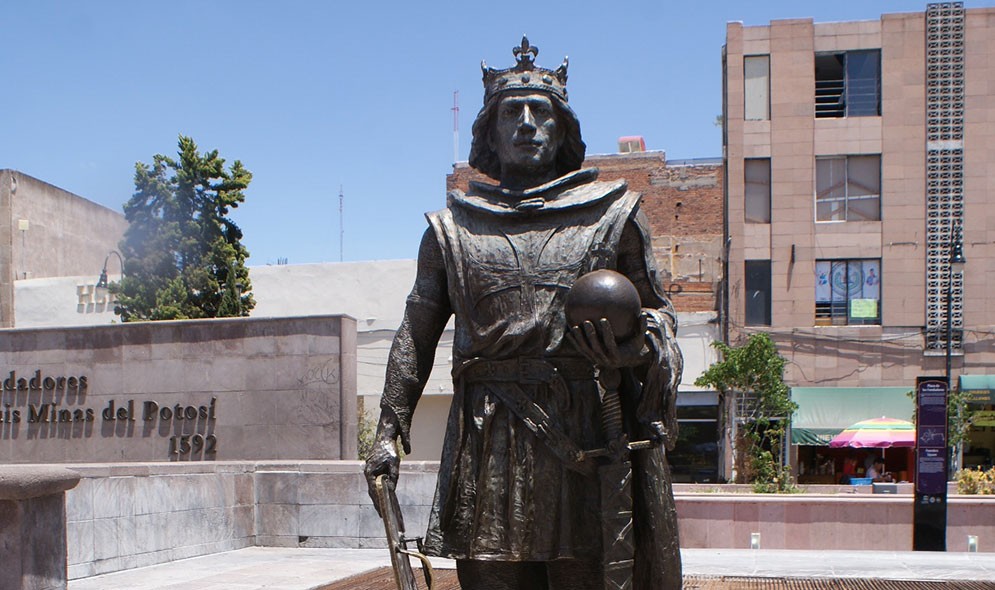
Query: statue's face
point(526, 134)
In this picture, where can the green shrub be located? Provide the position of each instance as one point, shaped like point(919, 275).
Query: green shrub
point(976, 481)
point(366, 433)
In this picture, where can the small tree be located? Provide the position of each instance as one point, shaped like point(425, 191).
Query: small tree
point(183, 256)
point(750, 382)
point(960, 420)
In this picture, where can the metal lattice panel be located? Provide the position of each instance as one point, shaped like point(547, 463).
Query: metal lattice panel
point(945, 71)
point(944, 168)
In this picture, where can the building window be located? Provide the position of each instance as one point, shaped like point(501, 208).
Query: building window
point(848, 84)
point(847, 292)
point(756, 87)
point(758, 292)
point(757, 178)
point(696, 458)
point(848, 188)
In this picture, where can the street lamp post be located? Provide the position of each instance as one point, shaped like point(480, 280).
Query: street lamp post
point(102, 281)
point(955, 266)
point(102, 285)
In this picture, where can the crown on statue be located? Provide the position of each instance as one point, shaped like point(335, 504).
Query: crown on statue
point(524, 75)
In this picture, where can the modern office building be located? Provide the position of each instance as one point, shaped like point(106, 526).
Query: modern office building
point(859, 157)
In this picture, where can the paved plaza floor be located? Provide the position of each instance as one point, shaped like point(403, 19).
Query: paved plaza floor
point(269, 568)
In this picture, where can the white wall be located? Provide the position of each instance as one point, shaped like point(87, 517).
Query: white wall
point(373, 292)
point(695, 334)
point(58, 302)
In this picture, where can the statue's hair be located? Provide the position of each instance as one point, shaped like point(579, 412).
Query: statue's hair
point(569, 157)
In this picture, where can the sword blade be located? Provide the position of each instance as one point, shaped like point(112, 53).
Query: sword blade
point(390, 510)
point(618, 537)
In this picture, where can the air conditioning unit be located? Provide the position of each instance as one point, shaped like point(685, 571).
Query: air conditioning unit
point(631, 144)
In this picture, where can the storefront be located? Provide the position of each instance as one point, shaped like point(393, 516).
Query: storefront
point(696, 457)
point(979, 391)
point(824, 412)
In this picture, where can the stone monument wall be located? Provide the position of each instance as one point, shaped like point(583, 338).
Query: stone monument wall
point(194, 390)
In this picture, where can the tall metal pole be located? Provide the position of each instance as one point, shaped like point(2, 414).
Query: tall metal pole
point(956, 262)
point(341, 225)
point(455, 110)
point(950, 319)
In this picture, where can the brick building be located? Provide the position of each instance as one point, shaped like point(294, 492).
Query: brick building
point(683, 201)
point(857, 154)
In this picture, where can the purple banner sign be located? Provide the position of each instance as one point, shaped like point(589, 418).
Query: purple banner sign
point(931, 471)
point(931, 436)
point(929, 520)
point(932, 403)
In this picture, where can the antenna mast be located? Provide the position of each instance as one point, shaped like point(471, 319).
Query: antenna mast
point(455, 110)
point(341, 225)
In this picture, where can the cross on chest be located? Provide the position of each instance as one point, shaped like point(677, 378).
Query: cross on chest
point(530, 272)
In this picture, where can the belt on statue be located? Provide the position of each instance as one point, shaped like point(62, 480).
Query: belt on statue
point(525, 370)
point(513, 372)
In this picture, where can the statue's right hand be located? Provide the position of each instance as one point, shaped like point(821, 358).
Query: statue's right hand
point(383, 460)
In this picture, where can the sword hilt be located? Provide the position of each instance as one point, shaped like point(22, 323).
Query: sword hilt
point(609, 451)
point(611, 403)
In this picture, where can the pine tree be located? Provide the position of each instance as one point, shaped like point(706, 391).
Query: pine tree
point(183, 255)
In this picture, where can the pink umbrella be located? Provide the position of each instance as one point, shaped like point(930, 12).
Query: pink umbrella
point(877, 433)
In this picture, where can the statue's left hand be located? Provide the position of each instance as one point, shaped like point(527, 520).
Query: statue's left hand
point(384, 458)
point(596, 341)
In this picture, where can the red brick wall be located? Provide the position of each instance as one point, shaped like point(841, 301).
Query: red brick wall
point(684, 206)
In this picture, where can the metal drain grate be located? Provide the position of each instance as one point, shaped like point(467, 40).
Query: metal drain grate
point(753, 583)
point(383, 579)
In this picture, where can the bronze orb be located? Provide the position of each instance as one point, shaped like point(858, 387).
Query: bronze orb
point(605, 294)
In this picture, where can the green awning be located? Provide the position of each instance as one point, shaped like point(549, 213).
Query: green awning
point(823, 412)
point(980, 389)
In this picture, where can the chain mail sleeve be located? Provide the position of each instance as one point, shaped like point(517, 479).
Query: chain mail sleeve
point(412, 353)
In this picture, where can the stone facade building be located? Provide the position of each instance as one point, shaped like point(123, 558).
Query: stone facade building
point(857, 154)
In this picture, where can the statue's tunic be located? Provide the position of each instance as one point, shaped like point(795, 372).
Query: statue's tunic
point(504, 493)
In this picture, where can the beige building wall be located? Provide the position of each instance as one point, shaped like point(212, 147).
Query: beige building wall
point(46, 231)
point(791, 157)
point(979, 183)
point(891, 353)
point(903, 172)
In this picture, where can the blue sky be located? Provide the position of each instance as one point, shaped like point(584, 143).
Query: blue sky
point(311, 96)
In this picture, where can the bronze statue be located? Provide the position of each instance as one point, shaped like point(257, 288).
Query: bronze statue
point(553, 429)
